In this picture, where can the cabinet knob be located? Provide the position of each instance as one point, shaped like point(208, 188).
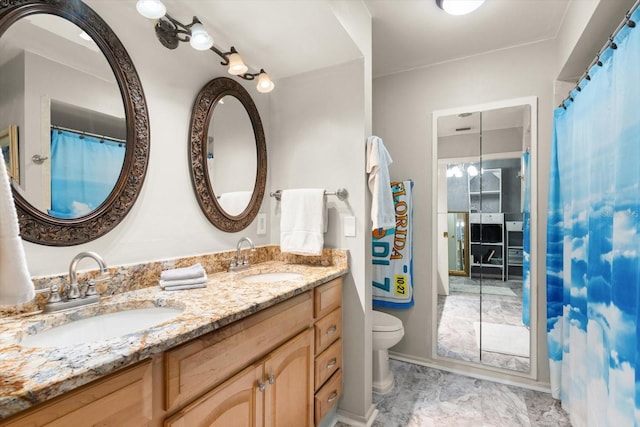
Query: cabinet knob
point(333, 397)
point(262, 385)
point(271, 378)
point(332, 363)
point(332, 330)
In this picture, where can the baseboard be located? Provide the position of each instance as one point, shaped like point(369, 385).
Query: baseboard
point(356, 420)
point(475, 372)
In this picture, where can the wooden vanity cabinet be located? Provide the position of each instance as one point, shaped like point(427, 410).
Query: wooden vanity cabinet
point(277, 391)
point(327, 312)
point(281, 366)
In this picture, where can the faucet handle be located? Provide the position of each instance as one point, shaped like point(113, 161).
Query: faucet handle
point(91, 287)
point(54, 295)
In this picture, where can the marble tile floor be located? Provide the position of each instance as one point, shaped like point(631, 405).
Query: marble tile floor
point(458, 311)
point(427, 397)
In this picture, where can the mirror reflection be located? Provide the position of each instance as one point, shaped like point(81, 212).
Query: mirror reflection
point(458, 248)
point(231, 155)
point(483, 236)
point(60, 91)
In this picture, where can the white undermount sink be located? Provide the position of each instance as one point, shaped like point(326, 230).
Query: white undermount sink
point(271, 277)
point(101, 327)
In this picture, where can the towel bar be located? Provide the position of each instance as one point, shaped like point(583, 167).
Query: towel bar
point(342, 194)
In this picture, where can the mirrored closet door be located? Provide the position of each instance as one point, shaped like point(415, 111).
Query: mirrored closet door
point(483, 244)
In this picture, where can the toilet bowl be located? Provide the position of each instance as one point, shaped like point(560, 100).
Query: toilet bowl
point(387, 332)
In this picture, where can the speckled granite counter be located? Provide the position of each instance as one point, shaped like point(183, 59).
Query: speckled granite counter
point(32, 375)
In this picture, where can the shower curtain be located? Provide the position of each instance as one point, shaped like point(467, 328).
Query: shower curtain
point(526, 242)
point(84, 171)
point(593, 242)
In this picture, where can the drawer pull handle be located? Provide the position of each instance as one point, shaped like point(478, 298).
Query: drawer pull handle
point(332, 330)
point(333, 362)
point(262, 385)
point(271, 378)
point(333, 397)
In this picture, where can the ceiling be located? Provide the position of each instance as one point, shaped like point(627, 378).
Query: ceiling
point(290, 37)
point(416, 33)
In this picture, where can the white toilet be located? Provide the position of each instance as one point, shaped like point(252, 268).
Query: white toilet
point(387, 332)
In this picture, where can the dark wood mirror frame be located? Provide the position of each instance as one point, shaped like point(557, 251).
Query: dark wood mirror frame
point(203, 110)
point(38, 227)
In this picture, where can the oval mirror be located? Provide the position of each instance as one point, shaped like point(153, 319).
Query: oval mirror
point(228, 154)
point(70, 89)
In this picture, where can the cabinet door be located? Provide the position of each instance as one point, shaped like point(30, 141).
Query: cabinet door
point(236, 403)
point(289, 375)
point(122, 399)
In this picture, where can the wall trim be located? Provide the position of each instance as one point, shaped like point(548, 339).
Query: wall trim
point(479, 373)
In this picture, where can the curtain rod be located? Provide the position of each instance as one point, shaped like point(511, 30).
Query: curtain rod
point(608, 44)
point(95, 135)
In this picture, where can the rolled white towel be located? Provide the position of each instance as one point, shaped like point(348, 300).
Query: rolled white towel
point(195, 281)
point(192, 272)
point(184, 287)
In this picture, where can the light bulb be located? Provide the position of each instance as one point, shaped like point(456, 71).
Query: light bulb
point(152, 9)
point(236, 65)
point(459, 7)
point(200, 39)
point(472, 170)
point(265, 85)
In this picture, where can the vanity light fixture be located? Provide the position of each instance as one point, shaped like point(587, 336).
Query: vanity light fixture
point(171, 32)
point(459, 7)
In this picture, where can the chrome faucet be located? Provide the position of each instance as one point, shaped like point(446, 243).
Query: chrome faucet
point(74, 297)
point(239, 262)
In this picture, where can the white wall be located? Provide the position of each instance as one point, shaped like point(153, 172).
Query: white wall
point(318, 133)
point(402, 117)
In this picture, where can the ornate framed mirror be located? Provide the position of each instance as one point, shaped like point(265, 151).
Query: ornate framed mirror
point(484, 187)
point(49, 25)
point(228, 154)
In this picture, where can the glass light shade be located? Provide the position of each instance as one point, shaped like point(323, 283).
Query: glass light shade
point(236, 64)
point(265, 85)
point(152, 9)
point(200, 39)
point(459, 7)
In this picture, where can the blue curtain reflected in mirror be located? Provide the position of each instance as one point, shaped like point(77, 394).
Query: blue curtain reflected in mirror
point(84, 171)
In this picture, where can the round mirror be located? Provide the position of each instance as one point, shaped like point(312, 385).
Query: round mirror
point(70, 90)
point(228, 154)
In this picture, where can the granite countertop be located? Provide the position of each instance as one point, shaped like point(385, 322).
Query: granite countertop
point(33, 375)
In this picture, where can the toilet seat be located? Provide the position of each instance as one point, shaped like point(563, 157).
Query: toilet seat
point(383, 322)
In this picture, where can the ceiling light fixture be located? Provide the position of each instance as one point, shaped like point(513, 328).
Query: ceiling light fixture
point(171, 32)
point(459, 7)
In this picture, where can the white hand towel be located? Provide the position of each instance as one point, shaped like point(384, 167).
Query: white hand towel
point(16, 286)
point(179, 282)
point(302, 221)
point(234, 203)
point(184, 287)
point(378, 161)
point(192, 272)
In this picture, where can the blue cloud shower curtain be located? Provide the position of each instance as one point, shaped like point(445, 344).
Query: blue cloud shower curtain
point(84, 171)
point(593, 255)
point(526, 241)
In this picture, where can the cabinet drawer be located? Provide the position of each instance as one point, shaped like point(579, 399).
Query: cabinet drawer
point(328, 362)
point(328, 329)
point(327, 297)
point(328, 396)
point(205, 362)
point(120, 399)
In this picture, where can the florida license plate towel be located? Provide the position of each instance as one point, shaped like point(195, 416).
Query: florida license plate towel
point(392, 253)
